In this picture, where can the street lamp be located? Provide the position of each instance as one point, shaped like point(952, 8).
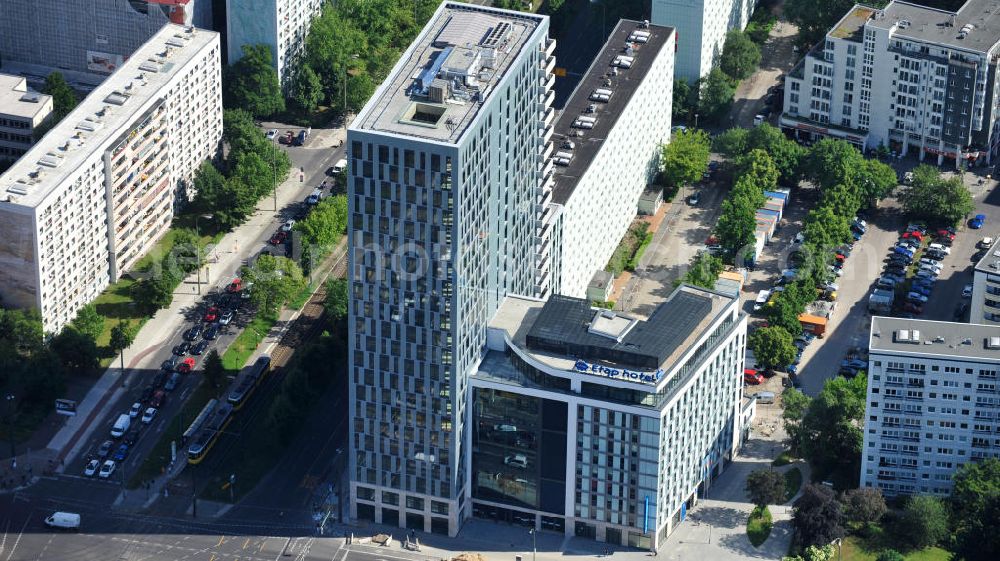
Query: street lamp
point(9, 398)
point(232, 485)
point(695, 120)
point(197, 230)
point(534, 549)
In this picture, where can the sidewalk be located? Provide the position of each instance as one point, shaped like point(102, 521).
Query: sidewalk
point(223, 263)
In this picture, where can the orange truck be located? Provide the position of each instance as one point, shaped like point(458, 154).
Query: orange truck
point(813, 324)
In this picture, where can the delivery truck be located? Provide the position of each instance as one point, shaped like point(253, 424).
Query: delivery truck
point(63, 521)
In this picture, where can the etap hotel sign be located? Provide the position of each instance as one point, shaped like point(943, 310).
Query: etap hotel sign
point(618, 373)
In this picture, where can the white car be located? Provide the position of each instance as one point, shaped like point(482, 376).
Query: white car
point(932, 267)
point(967, 291)
point(92, 467)
point(287, 226)
point(135, 411)
point(942, 248)
point(271, 134)
point(226, 317)
point(762, 299)
point(149, 415)
point(799, 238)
point(985, 243)
point(107, 469)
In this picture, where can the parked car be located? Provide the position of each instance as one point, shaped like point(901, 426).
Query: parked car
point(211, 333)
point(694, 198)
point(961, 309)
point(932, 267)
point(92, 467)
point(226, 317)
point(105, 448)
point(159, 397)
point(211, 314)
point(186, 366)
point(939, 247)
point(916, 297)
point(985, 243)
point(977, 222)
point(107, 469)
point(935, 255)
point(200, 347)
point(135, 410)
point(921, 289)
point(235, 286)
point(271, 134)
point(752, 377)
point(886, 282)
point(914, 308)
point(172, 383)
point(121, 453)
point(926, 274)
point(170, 363)
point(147, 394)
point(148, 415)
point(193, 333)
point(131, 437)
point(278, 238)
point(160, 378)
point(967, 291)
point(182, 348)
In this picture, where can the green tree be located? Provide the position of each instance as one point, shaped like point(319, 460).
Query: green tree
point(89, 322)
point(831, 435)
point(785, 153)
point(765, 487)
point(875, 180)
point(818, 516)
point(275, 280)
point(326, 223)
point(156, 291)
point(889, 555)
point(336, 300)
point(794, 405)
point(935, 199)
point(773, 347)
point(758, 167)
point(923, 522)
point(784, 313)
point(681, 99)
point(864, 506)
point(63, 98)
point(210, 188)
point(737, 225)
point(740, 55)
point(76, 350)
point(122, 336)
point(704, 271)
point(830, 162)
point(825, 229)
point(732, 142)
point(252, 82)
point(685, 158)
point(213, 369)
point(307, 88)
point(975, 505)
point(717, 91)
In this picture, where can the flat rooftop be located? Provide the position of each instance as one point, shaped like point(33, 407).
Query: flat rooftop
point(99, 118)
point(561, 331)
point(602, 74)
point(938, 339)
point(942, 27)
point(448, 73)
point(16, 100)
point(990, 263)
point(852, 25)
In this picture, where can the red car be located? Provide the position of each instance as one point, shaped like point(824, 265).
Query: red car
point(278, 238)
point(212, 314)
point(913, 308)
point(946, 234)
point(914, 234)
point(235, 286)
point(186, 366)
point(752, 377)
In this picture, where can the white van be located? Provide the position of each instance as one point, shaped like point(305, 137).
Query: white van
point(121, 426)
point(517, 460)
point(340, 166)
point(765, 398)
point(63, 521)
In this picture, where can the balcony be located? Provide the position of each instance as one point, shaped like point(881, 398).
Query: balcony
point(548, 116)
point(548, 47)
point(549, 64)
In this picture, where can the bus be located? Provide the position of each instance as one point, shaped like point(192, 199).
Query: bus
point(247, 381)
point(214, 426)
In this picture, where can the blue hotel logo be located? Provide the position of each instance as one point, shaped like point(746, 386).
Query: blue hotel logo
point(629, 375)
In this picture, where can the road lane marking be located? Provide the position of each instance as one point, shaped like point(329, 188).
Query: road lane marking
point(13, 548)
point(222, 540)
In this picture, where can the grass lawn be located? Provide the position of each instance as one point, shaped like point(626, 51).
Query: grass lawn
point(759, 526)
point(246, 343)
point(858, 549)
point(783, 459)
point(159, 456)
point(793, 480)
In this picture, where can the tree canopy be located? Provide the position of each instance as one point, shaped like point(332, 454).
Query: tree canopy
point(740, 55)
point(704, 271)
point(923, 522)
point(936, 199)
point(307, 88)
point(975, 503)
point(818, 516)
point(685, 158)
point(737, 224)
point(336, 302)
point(275, 281)
point(773, 347)
point(717, 91)
point(765, 487)
point(831, 435)
point(63, 98)
point(252, 82)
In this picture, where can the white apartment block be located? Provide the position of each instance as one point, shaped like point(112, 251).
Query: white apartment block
point(604, 425)
point(933, 403)
point(701, 30)
point(984, 307)
point(21, 112)
point(917, 80)
point(279, 24)
point(607, 148)
point(88, 200)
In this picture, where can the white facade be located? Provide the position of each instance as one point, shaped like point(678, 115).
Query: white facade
point(932, 403)
point(562, 443)
point(600, 189)
point(279, 24)
point(21, 112)
point(906, 77)
point(701, 30)
point(86, 202)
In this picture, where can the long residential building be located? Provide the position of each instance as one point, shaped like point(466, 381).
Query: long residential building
point(933, 403)
point(452, 209)
point(701, 30)
point(22, 111)
point(914, 79)
point(282, 25)
point(607, 149)
point(985, 303)
point(604, 425)
point(86, 39)
point(88, 200)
